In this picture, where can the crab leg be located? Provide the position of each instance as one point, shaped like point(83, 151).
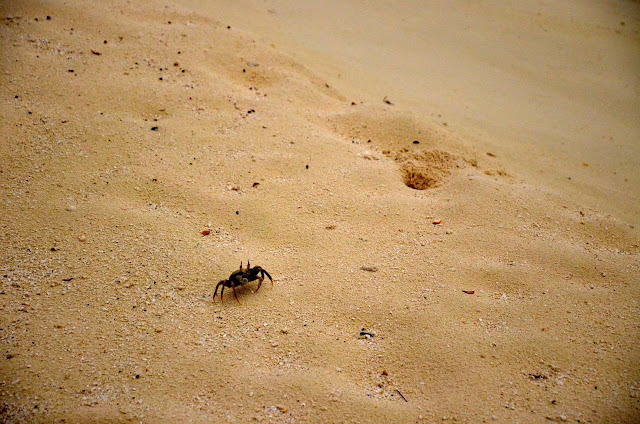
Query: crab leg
point(233, 286)
point(265, 272)
point(259, 283)
point(221, 283)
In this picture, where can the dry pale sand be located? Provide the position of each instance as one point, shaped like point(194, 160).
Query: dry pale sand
point(129, 130)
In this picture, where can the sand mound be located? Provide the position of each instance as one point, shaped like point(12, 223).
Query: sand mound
point(387, 129)
point(417, 145)
point(427, 169)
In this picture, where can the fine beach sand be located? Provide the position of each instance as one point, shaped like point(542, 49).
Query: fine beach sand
point(458, 247)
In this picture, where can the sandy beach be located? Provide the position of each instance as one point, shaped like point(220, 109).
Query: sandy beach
point(446, 194)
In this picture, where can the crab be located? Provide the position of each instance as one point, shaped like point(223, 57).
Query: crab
point(241, 277)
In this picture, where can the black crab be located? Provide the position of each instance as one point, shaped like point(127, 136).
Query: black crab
point(241, 277)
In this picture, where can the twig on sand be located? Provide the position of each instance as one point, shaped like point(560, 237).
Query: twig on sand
point(403, 398)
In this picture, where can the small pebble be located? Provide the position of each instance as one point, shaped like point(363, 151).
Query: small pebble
point(82, 238)
point(72, 208)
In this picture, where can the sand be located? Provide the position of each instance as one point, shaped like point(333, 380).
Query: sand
point(446, 197)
